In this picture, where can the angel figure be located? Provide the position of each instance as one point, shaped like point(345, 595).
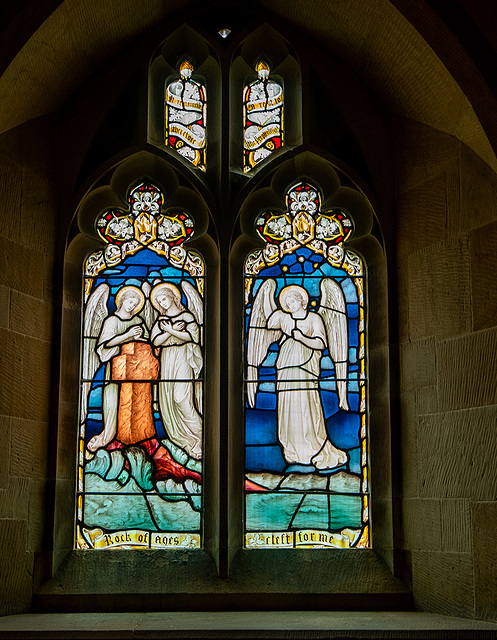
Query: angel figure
point(122, 344)
point(177, 335)
point(302, 336)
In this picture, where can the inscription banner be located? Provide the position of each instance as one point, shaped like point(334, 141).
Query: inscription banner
point(304, 538)
point(136, 539)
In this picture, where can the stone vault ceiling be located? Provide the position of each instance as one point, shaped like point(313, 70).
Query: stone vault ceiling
point(373, 37)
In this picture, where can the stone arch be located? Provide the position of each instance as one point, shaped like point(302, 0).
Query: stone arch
point(111, 191)
point(338, 190)
point(423, 130)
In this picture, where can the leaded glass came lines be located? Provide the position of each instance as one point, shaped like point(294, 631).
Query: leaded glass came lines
point(262, 117)
point(186, 116)
point(141, 425)
point(306, 482)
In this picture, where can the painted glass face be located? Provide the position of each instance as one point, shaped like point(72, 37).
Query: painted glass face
point(141, 427)
point(306, 466)
point(262, 118)
point(186, 117)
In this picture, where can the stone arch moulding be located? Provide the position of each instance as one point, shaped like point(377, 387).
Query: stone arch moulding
point(111, 192)
point(326, 578)
point(186, 45)
point(265, 44)
point(338, 191)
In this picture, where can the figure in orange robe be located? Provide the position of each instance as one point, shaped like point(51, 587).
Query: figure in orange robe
point(127, 397)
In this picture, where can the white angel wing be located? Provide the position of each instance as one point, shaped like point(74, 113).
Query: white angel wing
point(333, 311)
point(196, 307)
point(195, 304)
point(95, 313)
point(259, 337)
point(149, 313)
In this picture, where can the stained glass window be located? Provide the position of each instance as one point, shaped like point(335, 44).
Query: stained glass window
point(262, 117)
point(141, 425)
point(186, 116)
point(306, 435)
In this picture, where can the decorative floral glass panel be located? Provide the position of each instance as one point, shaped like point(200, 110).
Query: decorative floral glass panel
point(141, 427)
point(262, 118)
point(306, 447)
point(186, 116)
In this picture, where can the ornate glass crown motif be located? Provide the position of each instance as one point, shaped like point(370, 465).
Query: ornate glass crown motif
point(304, 223)
point(145, 223)
point(141, 376)
point(306, 483)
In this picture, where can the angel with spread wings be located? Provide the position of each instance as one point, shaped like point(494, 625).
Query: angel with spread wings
point(302, 336)
point(124, 342)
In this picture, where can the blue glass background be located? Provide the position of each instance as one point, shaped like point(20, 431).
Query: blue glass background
point(145, 266)
point(261, 422)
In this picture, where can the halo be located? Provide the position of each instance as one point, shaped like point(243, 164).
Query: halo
point(160, 287)
point(292, 289)
point(130, 289)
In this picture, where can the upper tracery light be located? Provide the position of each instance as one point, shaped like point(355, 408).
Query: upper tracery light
point(186, 116)
point(262, 117)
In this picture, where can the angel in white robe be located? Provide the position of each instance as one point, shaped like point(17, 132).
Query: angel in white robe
point(121, 341)
point(177, 334)
point(303, 335)
point(124, 327)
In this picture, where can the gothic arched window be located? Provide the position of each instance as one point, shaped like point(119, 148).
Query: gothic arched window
point(141, 425)
point(262, 117)
point(186, 116)
point(306, 482)
point(301, 410)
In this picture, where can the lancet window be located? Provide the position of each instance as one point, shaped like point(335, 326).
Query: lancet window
point(262, 117)
point(140, 455)
point(306, 440)
point(141, 425)
point(186, 116)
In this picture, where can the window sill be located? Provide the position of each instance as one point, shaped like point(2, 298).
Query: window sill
point(270, 624)
point(188, 580)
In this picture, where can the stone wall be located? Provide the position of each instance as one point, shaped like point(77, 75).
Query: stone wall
point(446, 301)
point(27, 243)
point(446, 240)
